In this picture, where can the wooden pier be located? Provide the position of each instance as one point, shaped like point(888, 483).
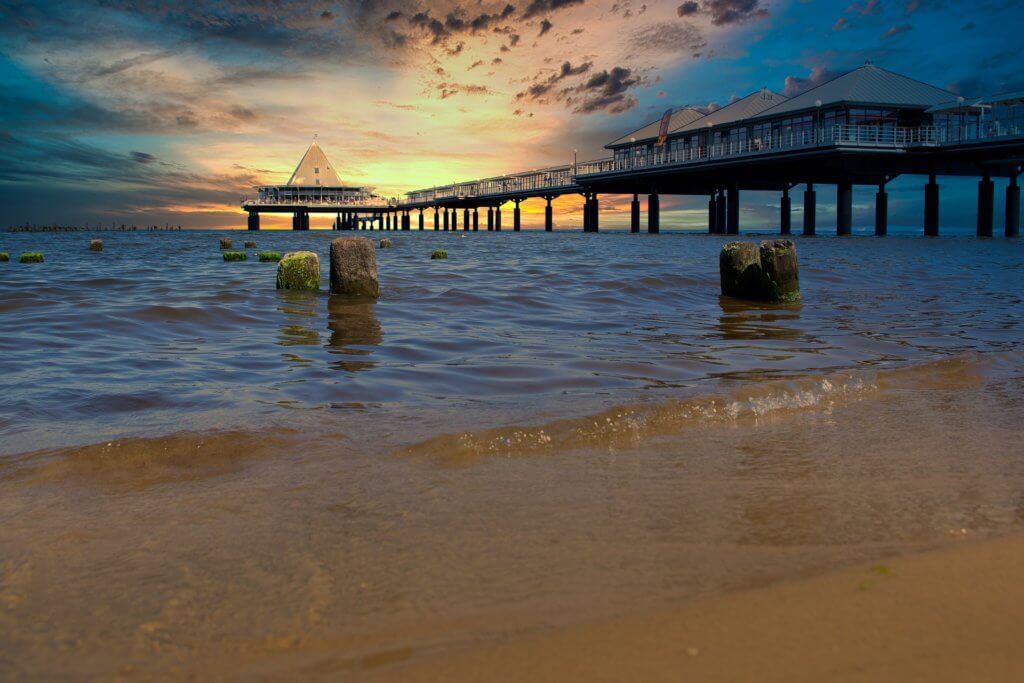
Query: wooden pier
point(866, 127)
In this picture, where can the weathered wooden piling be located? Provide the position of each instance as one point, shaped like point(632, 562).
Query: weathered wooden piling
point(385, 243)
point(354, 267)
point(225, 242)
point(96, 245)
point(768, 272)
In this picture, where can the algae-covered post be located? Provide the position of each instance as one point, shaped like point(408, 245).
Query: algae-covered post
point(96, 245)
point(781, 270)
point(354, 267)
point(439, 254)
point(766, 273)
point(299, 270)
point(269, 256)
point(31, 257)
point(225, 242)
point(235, 256)
point(4, 256)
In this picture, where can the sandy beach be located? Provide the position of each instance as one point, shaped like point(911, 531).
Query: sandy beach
point(954, 614)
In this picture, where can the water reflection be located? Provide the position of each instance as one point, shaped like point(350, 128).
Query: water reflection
point(354, 328)
point(299, 326)
point(744, 320)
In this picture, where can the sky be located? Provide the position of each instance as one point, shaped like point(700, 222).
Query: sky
point(150, 113)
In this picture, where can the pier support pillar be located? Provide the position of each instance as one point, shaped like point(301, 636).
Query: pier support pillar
point(844, 208)
point(1012, 207)
point(653, 214)
point(455, 219)
point(786, 214)
point(387, 220)
point(408, 221)
point(810, 209)
point(446, 219)
point(437, 225)
point(516, 218)
point(476, 219)
point(634, 214)
point(722, 211)
point(733, 217)
point(881, 211)
point(490, 218)
point(586, 213)
point(497, 218)
point(931, 207)
point(254, 220)
point(713, 215)
point(465, 219)
point(595, 213)
point(421, 219)
point(549, 223)
point(986, 197)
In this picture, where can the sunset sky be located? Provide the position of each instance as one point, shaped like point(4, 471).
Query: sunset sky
point(154, 112)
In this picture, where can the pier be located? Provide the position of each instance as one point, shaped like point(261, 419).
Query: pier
point(866, 127)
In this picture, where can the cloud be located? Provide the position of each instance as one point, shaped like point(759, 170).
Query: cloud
point(605, 91)
point(545, 26)
point(841, 24)
point(796, 85)
point(667, 38)
point(896, 30)
point(688, 9)
point(538, 7)
point(725, 12)
point(866, 8)
point(143, 157)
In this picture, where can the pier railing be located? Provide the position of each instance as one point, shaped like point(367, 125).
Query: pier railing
point(553, 179)
point(374, 202)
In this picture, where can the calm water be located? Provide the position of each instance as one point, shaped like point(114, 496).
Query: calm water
point(541, 429)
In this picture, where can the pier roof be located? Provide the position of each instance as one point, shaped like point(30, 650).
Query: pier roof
point(682, 117)
point(314, 169)
point(743, 108)
point(868, 85)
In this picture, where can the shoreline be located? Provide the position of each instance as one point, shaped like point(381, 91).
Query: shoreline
point(951, 614)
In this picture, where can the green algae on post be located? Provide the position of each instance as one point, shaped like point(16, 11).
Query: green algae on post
point(299, 270)
point(439, 253)
point(4, 256)
point(269, 256)
point(235, 256)
point(31, 257)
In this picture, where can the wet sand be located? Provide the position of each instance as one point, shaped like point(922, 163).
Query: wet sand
point(955, 614)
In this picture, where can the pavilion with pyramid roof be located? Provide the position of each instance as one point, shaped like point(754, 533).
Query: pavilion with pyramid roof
point(314, 187)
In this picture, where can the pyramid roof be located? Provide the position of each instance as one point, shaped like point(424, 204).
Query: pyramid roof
point(315, 169)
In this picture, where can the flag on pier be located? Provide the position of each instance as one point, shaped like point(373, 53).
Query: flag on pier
point(663, 130)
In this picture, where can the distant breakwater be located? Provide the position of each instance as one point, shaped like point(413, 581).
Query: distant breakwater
point(87, 228)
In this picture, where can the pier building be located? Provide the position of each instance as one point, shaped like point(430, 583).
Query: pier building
point(314, 187)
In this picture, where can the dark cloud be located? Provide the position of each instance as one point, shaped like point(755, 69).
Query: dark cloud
point(545, 26)
point(688, 9)
point(866, 8)
point(725, 12)
point(539, 7)
point(143, 157)
point(605, 91)
point(543, 86)
point(327, 15)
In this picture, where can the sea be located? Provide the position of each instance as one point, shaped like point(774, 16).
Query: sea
point(202, 475)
